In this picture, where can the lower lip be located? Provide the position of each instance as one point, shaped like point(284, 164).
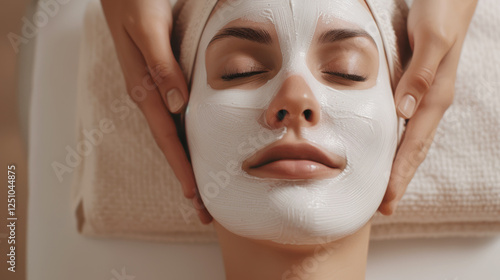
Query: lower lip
point(294, 169)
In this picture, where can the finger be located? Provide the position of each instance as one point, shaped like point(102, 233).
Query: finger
point(143, 91)
point(410, 155)
point(202, 211)
point(420, 130)
point(415, 144)
point(429, 51)
point(153, 39)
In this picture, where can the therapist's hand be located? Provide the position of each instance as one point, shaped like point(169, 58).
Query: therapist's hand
point(141, 32)
point(436, 30)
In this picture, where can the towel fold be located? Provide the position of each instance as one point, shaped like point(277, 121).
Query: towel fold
point(125, 188)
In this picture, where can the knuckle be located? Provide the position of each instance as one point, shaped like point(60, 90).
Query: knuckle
point(441, 40)
point(443, 96)
point(437, 36)
point(161, 72)
point(423, 79)
point(402, 169)
point(446, 101)
point(418, 152)
point(137, 93)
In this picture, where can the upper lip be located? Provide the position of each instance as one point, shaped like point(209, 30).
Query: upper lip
point(294, 151)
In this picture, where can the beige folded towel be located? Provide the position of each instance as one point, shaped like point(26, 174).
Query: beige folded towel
point(125, 188)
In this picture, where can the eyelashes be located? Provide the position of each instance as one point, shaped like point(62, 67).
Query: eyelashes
point(350, 77)
point(238, 75)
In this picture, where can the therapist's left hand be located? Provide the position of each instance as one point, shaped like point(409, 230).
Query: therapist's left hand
point(436, 30)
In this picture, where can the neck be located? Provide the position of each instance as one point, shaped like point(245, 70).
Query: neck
point(247, 259)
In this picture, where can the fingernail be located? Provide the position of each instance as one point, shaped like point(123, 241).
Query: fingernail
point(407, 106)
point(174, 100)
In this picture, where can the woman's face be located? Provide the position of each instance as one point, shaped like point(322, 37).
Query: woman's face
point(291, 122)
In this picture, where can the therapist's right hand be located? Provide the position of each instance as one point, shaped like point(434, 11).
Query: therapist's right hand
point(141, 32)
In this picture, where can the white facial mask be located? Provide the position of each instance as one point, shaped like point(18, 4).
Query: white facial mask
point(224, 128)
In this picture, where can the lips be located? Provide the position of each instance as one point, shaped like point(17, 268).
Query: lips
point(294, 160)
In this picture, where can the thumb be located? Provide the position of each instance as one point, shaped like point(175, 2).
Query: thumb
point(419, 76)
point(165, 71)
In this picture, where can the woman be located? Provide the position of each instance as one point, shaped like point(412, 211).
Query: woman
point(292, 132)
point(141, 30)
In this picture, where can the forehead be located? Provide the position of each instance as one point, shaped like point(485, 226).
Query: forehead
point(296, 22)
point(293, 13)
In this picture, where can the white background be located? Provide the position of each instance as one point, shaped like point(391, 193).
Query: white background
point(57, 252)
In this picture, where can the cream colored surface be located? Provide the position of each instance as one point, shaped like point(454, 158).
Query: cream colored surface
point(56, 251)
point(127, 189)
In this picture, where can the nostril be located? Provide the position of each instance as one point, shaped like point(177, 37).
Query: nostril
point(308, 114)
point(281, 114)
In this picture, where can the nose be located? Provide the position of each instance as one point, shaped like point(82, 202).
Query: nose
point(294, 105)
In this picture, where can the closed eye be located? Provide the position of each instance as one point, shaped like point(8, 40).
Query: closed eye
point(232, 76)
point(351, 77)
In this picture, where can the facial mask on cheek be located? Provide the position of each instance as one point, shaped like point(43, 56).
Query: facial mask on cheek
point(225, 127)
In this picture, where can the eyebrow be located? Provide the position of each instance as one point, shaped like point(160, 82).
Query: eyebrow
point(255, 35)
point(335, 35)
